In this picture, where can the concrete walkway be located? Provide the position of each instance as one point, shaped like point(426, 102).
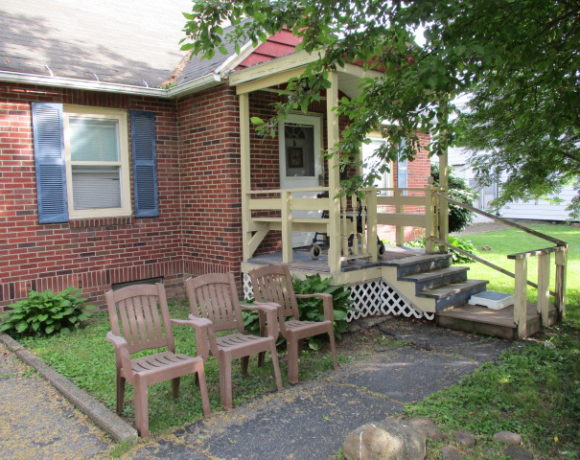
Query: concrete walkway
point(310, 421)
point(36, 422)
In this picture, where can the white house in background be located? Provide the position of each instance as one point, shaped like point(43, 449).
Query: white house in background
point(534, 209)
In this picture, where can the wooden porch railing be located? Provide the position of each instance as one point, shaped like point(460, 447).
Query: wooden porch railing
point(358, 218)
point(560, 249)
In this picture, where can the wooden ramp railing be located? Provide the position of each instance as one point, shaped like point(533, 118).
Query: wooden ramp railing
point(560, 249)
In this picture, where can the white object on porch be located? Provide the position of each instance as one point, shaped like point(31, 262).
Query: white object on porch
point(492, 300)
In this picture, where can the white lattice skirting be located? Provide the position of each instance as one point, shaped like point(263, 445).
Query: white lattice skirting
point(371, 298)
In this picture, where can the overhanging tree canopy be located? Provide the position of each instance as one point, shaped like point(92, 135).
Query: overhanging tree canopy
point(518, 59)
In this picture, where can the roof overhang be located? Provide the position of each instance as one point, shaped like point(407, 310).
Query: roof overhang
point(280, 70)
point(190, 87)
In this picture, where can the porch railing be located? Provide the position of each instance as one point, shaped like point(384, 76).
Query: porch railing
point(358, 218)
point(560, 249)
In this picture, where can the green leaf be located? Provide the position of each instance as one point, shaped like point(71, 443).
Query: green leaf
point(256, 120)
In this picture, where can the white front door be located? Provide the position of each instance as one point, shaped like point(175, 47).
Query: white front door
point(300, 163)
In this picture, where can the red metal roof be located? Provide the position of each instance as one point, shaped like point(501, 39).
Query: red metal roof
point(279, 44)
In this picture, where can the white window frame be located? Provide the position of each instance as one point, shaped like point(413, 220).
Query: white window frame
point(388, 179)
point(123, 163)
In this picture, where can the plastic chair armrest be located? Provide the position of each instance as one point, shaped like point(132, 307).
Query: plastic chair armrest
point(270, 309)
point(121, 350)
point(326, 303)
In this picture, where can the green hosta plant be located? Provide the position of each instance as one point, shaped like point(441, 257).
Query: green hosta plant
point(311, 309)
point(45, 313)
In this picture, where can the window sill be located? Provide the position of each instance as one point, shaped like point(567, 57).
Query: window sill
point(102, 222)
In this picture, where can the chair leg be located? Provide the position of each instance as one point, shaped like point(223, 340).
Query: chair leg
point(175, 387)
point(292, 346)
point(120, 392)
point(200, 376)
point(276, 365)
point(226, 382)
point(262, 354)
point(244, 363)
point(333, 349)
point(141, 409)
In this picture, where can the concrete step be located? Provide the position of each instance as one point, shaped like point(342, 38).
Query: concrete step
point(437, 278)
point(453, 294)
point(418, 264)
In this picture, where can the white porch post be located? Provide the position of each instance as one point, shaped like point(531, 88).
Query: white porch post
point(444, 181)
point(245, 172)
point(443, 204)
point(333, 174)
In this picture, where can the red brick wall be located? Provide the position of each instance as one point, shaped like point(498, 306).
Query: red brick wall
point(199, 229)
point(90, 254)
point(209, 144)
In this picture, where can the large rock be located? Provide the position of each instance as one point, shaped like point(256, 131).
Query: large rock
point(508, 437)
point(464, 438)
point(391, 439)
point(427, 426)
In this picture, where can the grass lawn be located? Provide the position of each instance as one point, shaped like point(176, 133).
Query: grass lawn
point(89, 361)
point(505, 242)
point(534, 388)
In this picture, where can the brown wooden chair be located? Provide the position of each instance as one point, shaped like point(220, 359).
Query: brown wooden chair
point(273, 283)
point(214, 304)
point(140, 320)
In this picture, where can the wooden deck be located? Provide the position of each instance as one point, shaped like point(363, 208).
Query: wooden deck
point(303, 262)
point(500, 323)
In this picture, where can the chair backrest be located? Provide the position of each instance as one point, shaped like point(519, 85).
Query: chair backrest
point(273, 283)
point(215, 297)
point(140, 314)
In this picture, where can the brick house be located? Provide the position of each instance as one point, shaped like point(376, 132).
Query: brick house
point(122, 159)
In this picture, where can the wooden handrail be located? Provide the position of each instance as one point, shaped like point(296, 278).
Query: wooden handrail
point(535, 252)
point(489, 264)
point(504, 221)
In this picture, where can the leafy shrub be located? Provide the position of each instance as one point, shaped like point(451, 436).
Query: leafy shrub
point(456, 257)
point(459, 190)
point(311, 309)
point(466, 245)
point(45, 313)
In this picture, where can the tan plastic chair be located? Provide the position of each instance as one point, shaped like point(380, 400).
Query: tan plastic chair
point(142, 314)
point(214, 304)
point(273, 283)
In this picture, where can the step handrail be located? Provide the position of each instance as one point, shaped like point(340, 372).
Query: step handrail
point(491, 264)
point(521, 270)
point(503, 220)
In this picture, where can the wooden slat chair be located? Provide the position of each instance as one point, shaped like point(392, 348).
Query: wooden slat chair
point(140, 320)
point(273, 283)
point(214, 305)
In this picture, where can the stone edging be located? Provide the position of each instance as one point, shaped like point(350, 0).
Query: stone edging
point(108, 421)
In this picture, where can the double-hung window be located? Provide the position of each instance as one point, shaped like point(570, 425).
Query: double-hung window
point(81, 157)
point(96, 151)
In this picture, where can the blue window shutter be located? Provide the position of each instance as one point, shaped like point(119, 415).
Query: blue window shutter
point(49, 162)
point(143, 147)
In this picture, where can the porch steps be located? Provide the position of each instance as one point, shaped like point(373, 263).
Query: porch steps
point(431, 283)
point(454, 293)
